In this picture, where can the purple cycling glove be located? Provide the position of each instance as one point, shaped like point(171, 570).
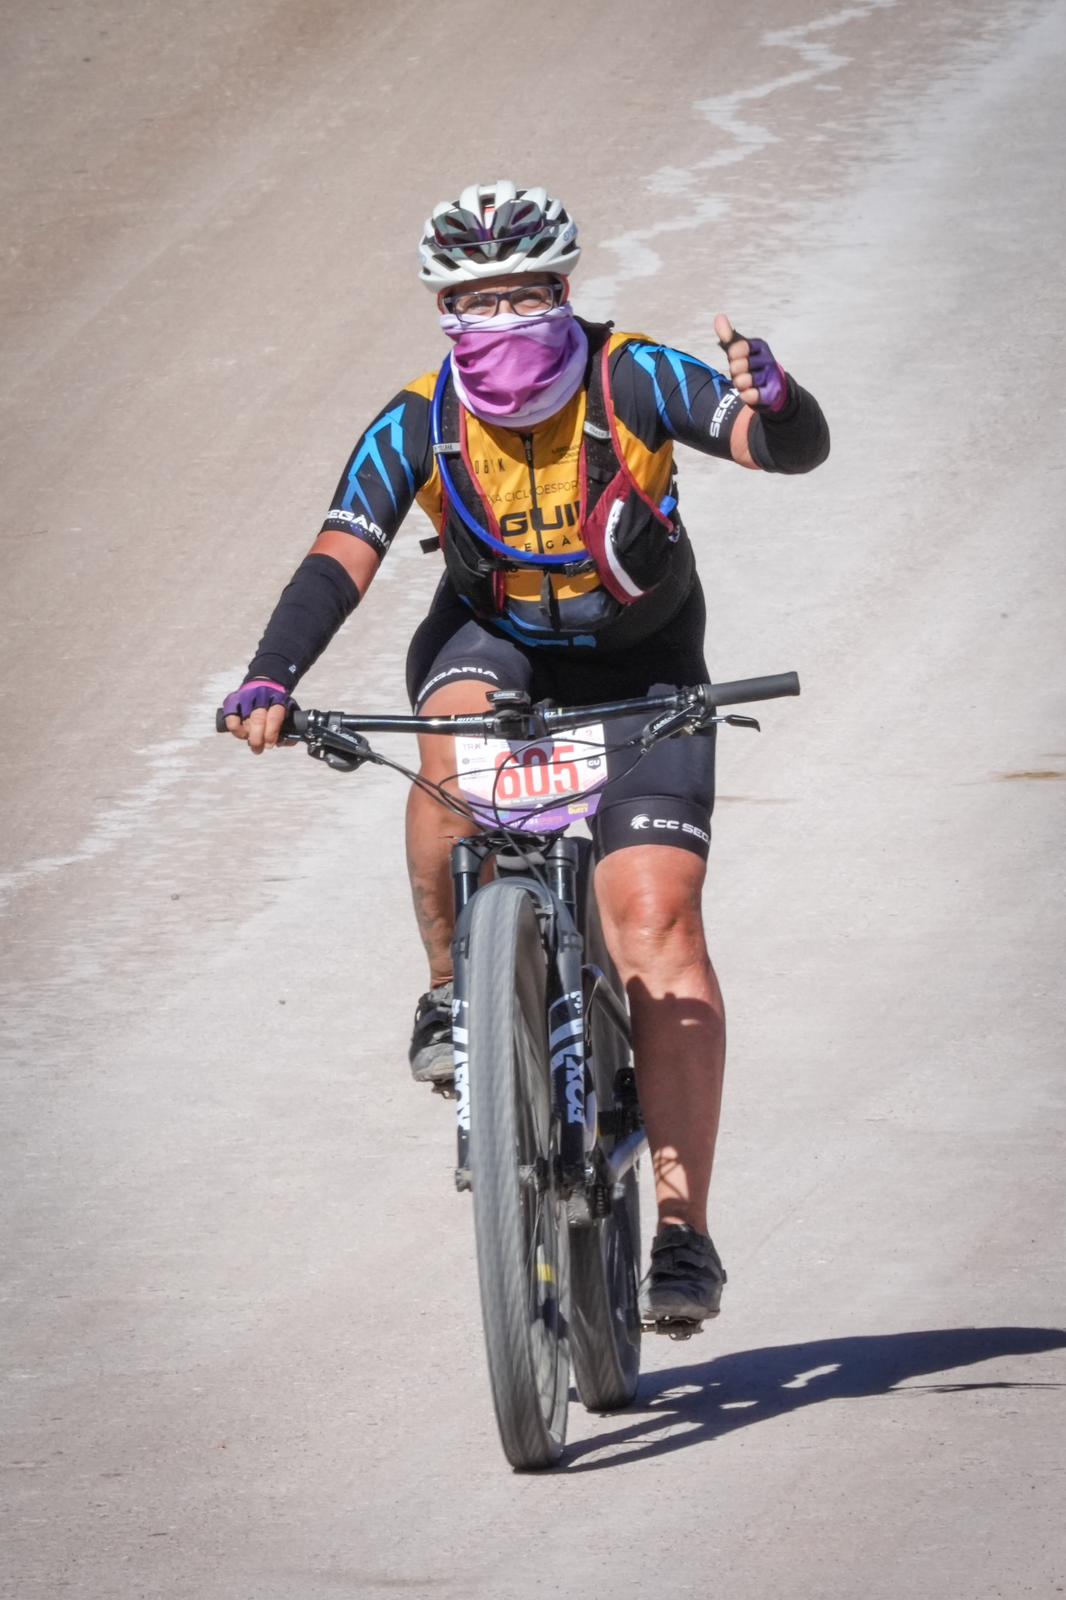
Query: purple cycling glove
point(767, 373)
point(769, 376)
point(259, 694)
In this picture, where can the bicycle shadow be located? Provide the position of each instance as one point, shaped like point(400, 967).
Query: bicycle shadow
point(710, 1400)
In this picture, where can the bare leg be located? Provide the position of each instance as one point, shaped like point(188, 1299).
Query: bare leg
point(650, 902)
point(432, 830)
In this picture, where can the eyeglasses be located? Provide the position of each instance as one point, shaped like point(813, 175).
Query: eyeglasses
point(525, 300)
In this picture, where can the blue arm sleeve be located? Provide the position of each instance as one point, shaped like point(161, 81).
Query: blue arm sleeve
point(663, 394)
point(390, 463)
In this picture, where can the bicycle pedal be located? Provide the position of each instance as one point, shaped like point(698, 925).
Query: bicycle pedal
point(446, 1089)
point(676, 1328)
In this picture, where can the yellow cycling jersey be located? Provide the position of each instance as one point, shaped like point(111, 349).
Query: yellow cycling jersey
point(532, 482)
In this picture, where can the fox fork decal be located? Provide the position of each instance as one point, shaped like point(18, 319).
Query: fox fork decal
point(566, 1043)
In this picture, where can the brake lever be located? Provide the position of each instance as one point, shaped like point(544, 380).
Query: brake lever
point(356, 751)
point(689, 719)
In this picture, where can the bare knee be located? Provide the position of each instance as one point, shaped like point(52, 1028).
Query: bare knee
point(659, 939)
point(650, 900)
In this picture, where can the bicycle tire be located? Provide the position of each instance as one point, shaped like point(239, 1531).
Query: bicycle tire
point(604, 1253)
point(519, 1219)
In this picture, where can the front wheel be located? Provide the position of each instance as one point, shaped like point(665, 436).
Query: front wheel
point(519, 1219)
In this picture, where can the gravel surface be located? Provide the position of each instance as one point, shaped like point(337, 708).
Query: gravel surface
point(241, 1340)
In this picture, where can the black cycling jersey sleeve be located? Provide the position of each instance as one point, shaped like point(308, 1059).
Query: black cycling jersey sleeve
point(318, 598)
point(664, 394)
point(391, 461)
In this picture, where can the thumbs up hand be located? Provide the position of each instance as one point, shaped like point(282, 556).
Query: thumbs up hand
point(760, 379)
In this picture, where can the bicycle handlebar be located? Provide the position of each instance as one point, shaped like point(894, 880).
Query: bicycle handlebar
point(743, 691)
point(531, 721)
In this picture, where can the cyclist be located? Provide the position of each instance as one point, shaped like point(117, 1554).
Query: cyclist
point(543, 452)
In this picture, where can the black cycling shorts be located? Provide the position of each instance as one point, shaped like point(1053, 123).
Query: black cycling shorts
point(666, 797)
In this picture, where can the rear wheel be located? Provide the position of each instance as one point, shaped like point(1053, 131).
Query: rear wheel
point(519, 1218)
point(604, 1252)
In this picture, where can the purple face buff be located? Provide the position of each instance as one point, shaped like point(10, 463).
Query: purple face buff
point(767, 374)
point(258, 695)
point(518, 371)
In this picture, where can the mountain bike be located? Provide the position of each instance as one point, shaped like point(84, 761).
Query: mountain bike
point(548, 1123)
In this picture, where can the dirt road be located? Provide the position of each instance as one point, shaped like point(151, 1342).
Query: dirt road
point(240, 1330)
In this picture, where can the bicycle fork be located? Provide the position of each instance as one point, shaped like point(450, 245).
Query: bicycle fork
point(584, 1174)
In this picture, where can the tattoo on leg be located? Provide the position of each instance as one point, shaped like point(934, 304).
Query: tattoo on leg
point(434, 928)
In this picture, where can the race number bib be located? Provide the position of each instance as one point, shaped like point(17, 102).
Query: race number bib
point(534, 785)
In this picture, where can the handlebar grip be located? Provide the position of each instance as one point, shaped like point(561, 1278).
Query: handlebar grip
point(742, 690)
point(295, 722)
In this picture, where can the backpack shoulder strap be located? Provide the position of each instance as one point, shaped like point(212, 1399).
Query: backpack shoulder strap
point(597, 421)
point(600, 463)
point(606, 464)
point(445, 413)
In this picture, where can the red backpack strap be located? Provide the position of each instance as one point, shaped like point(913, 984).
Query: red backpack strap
point(608, 487)
point(619, 453)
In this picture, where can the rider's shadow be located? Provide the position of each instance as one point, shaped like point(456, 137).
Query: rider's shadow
point(704, 1402)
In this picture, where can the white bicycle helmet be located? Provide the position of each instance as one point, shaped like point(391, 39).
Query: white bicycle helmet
point(495, 228)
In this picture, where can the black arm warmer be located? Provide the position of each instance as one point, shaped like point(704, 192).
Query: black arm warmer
point(795, 439)
point(317, 599)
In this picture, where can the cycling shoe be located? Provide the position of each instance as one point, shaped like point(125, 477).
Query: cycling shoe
point(683, 1286)
point(430, 1054)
